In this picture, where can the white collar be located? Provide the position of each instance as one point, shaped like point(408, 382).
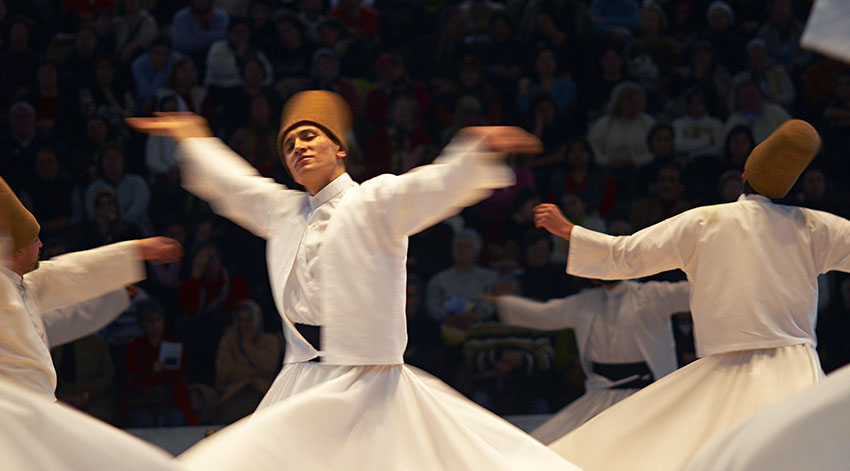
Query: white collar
point(754, 197)
point(337, 186)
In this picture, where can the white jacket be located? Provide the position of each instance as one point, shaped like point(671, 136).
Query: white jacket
point(363, 257)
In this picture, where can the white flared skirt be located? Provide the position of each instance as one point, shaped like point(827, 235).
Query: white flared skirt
point(39, 434)
point(663, 425)
point(586, 407)
point(807, 430)
point(388, 417)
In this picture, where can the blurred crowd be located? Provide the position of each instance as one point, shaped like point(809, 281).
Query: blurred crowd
point(645, 109)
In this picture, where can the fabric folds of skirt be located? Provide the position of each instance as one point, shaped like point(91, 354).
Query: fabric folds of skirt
point(319, 416)
point(661, 426)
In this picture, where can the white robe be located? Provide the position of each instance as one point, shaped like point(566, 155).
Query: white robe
point(41, 310)
point(753, 267)
point(344, 252)
point(805, 431)
point(39, 434)
point(639, 310)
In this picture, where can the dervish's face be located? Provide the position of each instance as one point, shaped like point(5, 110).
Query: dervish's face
point(26, 259)
point(312, 157)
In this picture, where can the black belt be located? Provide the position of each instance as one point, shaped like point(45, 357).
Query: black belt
point(618, 371)
point(313, 335)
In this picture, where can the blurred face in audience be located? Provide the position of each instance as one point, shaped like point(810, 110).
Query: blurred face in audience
point(574, 207)
point(153, 324)
point(159, 56)
point(19, 37)
point(545, 65)
point(22, 119)
point(186, 76)
point(662, 143)
point(731, 189)
point(464, 251)
point(650, 21)
point(719, 20)
point(106, 207)
point(260, 111)
point(748, 97)
point(740, 146)
point(96, 129)
point(669, 185)
point(631, 105)
point(86, 42)
point(611, 63)
point(252, 74)
point(245, 324)
point(814, 185)
point(757, 57)
point(48, 77)
point(46, 165)
point(578, 156)
point(696, 107)
point(113, 165)
point(537, 254)
point(104, 72)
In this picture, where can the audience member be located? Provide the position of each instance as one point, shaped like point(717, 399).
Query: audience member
point(664, 200)
point(782, 33)
point(108, 225)
point(85, 376)
point(156, 394)
point(108, 96)
point(151, 71)
point(247, 362)
point(697, 133)
point(132, 190)
point(581, 175)
point(135, 30)
point(773, 80)
point(196, 27)
point(18, 60)
point(452, 296)
point(751, 109)
point(403, 143)
point(737, 145)
point(49, 195)
point(20, 144)
point(547, 79)
point(207, 301)
point(225, 57)
point(257, 140)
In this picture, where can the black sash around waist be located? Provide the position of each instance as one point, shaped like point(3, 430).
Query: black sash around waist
point(312, 334)
point(618, 371)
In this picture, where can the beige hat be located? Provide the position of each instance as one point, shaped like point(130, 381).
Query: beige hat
point(774, 165)
point(15, 219)
point(323, 108)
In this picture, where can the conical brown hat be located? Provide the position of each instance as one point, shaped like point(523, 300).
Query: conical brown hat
point(774, 166)
point(15, 219)
point(326, 109)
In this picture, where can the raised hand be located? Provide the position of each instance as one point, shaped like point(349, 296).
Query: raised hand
point(549, 217)
point(159, 250)
point(178, 125)
point(506, 139)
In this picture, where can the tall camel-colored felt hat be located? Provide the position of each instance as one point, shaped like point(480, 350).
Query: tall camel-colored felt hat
point(15, 220)
point(774, 166)
point(326, 109)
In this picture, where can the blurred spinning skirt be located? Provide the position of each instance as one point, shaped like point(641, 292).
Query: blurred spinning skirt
point(586, 407)
point(39, 434)
point(661, 426)
point(388, 417)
